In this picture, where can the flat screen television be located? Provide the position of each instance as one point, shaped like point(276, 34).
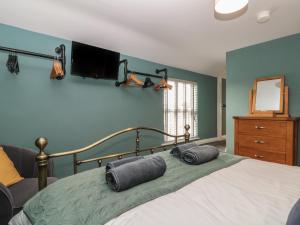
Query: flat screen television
point(90, 61)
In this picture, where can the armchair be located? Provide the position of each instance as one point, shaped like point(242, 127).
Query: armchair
point(12, 198)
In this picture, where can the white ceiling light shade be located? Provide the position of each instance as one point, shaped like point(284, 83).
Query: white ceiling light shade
point(229, 6)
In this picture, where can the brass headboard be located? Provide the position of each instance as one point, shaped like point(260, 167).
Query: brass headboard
point(42, 157)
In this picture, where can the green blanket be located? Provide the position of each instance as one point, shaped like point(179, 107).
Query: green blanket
point(85, 199)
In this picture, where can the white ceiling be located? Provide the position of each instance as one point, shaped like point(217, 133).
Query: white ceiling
point(180, 33)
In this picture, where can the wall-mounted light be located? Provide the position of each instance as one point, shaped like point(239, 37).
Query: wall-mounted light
point(229, 6)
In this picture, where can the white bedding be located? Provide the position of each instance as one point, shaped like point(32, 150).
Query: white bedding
point(249, 192)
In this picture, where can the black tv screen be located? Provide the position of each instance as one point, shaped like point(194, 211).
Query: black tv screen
point(90, 61)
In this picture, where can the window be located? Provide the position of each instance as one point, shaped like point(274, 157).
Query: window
point(181, 108)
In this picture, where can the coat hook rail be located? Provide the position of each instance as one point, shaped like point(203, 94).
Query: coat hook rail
point(127, 71)
point(60, 50)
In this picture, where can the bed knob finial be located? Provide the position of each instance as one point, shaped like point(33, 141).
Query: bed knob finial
point(42, 162)
point(41, 143)
point(187, 127)
point(187, 133)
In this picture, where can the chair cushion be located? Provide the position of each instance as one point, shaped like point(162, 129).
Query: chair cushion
point(8, 173)
point(25, 189)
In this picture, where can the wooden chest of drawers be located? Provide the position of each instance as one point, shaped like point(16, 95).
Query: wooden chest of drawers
point(270, 139)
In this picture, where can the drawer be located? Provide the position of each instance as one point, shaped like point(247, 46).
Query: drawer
point(263, 143)
point(262, 128)
point(263, 155)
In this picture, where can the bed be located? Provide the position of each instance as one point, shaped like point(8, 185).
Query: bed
point(228, 190)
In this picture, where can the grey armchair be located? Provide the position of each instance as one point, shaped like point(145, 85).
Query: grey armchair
point(12, 198)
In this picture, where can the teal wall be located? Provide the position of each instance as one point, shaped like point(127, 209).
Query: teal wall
point(75, 112)
point(281, 56)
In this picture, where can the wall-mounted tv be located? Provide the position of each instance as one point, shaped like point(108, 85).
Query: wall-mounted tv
point(90, 61)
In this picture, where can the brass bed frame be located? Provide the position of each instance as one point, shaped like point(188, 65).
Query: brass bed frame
point(42, 157)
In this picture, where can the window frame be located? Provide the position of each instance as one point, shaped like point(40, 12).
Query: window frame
point(194, 131)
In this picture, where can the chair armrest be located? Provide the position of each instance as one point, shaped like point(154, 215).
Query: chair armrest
point(6, 202)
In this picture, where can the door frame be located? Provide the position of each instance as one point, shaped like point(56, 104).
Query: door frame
point(219, 107)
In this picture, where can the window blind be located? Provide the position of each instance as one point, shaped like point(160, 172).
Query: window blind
point(181, 108)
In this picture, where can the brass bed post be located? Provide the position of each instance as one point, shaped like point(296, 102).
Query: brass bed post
point(137, 142)
point(187, 134)
point(42, 162)
point(74, 163)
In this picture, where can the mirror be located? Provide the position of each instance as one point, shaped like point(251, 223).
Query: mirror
point(268, 95)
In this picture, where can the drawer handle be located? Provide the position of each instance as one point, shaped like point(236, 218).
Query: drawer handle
point(259, 156)
point(260, 127)
point(259, 142)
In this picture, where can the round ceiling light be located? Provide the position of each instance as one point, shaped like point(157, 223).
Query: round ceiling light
point(229, 6)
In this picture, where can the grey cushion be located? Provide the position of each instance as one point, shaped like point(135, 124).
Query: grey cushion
point(25, 189)
point(294, 215)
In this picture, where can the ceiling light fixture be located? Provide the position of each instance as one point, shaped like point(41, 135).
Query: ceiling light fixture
point(229, 6)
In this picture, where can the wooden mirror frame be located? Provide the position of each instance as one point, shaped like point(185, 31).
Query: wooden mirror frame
point(282, 112)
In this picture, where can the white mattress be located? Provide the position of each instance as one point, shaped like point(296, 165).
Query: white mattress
point(250, 192)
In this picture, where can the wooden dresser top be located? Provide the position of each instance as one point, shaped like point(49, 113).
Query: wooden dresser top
point(266, 118)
